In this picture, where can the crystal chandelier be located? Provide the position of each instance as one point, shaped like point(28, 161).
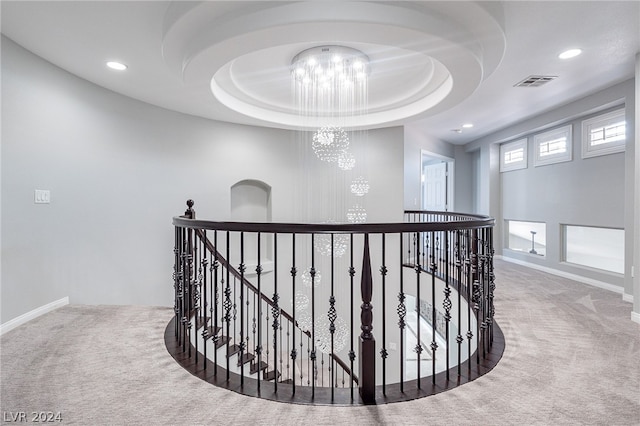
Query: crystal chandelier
point(357, 214)
point(301, 302)
point(304, 321)
point(328, 66)
point(346, 161)
point(307, 280)
point(323, 334)
point(360, 186)
point(340, 243)
point(330, 143)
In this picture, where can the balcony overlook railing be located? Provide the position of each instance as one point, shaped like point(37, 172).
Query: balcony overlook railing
point(295, 312)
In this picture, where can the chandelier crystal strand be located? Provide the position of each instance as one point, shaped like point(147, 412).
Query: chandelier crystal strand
point(306, 278)
point(357, 214)
point(360, 186)
point(330, 143)
point(346, 161)
point(301, 302)
point(340, 244)
point(331, 80)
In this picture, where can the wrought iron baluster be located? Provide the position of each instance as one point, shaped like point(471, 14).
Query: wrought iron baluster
point(197, 281)
point(473, 267)
point(446, 304)
point(331, 315)
point(458, 266)
point(189, 286)
point(205, 304)
point(242, 343)
point(418, 347)
point(275, 314)
point(352, 272)
point(434, 344)
point(258, 343)
point(176, 278)
point(228, 305)
point(215, 265)
point(293, 310)
point(383, 352)
point(204, 296)
point(312, 349)
point(492, 286)
point(402, 312)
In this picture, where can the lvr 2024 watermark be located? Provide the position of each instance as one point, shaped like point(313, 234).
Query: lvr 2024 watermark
point(32, 417)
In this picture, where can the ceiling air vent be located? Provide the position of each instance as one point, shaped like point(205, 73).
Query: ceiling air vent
point(535, 80)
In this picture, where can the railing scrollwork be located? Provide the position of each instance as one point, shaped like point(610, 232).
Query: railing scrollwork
point(234, 327)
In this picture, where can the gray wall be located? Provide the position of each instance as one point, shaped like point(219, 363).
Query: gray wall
point(591, 192)
point(118, 171)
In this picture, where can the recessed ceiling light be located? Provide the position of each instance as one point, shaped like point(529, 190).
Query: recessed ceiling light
point(118, 66)
point(571, 53)
point(467, 126)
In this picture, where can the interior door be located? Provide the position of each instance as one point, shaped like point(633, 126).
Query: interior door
point(435, 187)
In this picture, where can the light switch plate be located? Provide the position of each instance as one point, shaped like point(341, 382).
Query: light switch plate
point(42, 196)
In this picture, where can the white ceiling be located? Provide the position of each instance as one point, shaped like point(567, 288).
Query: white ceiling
point(175, 49)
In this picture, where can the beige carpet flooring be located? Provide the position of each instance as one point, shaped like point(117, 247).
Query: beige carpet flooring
point(572, 357)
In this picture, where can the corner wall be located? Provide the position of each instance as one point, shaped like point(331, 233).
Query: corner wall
point(118, 171)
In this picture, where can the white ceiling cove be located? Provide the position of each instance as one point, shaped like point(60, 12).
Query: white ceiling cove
point(434, 65)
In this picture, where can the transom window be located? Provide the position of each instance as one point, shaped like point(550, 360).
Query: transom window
point(604, 134)
point(513, 155)
point(553, 146)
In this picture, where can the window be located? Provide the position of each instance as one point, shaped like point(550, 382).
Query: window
point(553, 146)
point(604, 134)
point(513, 155)
point(600, 248)
point(527, 237)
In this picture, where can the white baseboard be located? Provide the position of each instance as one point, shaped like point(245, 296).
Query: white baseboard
point(627, 297)
point(635, 317)
point(568, 275)
point(24, 318)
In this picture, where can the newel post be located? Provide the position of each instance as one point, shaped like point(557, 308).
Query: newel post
point(190, 213)
point(367, 343)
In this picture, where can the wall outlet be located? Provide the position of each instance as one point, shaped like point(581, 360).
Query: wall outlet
point(42, 196)
point(393, 346)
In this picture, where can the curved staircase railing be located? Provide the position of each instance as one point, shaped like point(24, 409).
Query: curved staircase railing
point(229, 331)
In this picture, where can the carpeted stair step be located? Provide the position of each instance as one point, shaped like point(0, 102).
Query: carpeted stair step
point(287, 382)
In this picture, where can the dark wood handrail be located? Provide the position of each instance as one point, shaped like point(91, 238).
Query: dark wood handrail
point(345, 367)
point(466, 237)
point(470, 222)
